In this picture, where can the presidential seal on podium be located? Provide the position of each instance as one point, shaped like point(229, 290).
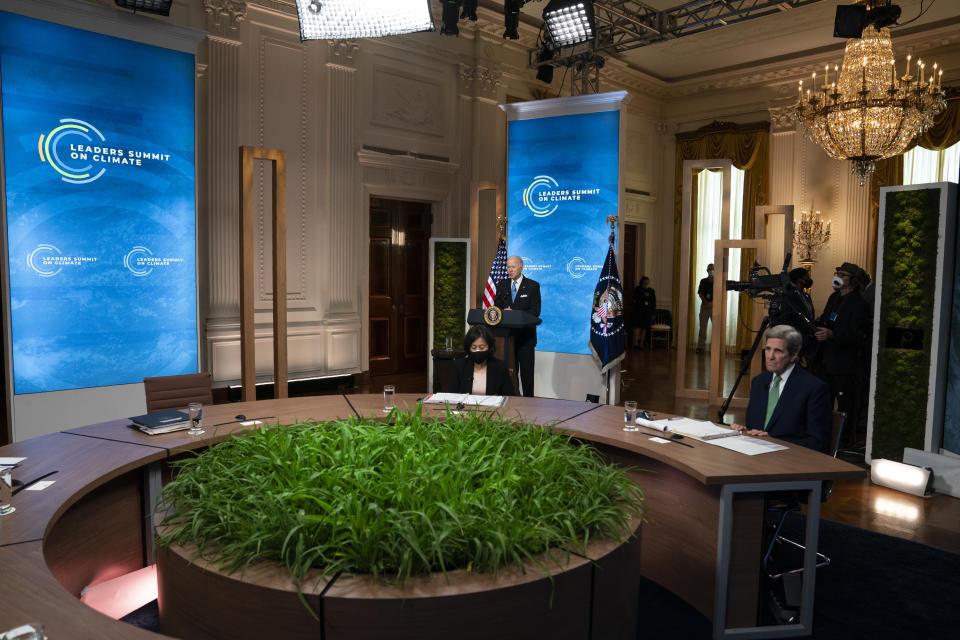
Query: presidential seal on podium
point(492, 315)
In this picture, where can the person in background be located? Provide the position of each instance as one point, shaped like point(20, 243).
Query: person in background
point(705, 291)
point(786, 401)
point(799, 313)
point(800, 278)
point(644, 304)
point(480, 373)
point(842, 336)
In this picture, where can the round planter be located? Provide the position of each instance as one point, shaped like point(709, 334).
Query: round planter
point(563, 595)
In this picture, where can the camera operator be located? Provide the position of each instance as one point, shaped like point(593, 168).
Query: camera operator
point(798, 312)
point(842, 336)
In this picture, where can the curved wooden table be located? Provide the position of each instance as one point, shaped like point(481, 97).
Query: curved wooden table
point(701, 538)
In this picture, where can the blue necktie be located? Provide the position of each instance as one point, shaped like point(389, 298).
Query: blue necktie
point(513, 295)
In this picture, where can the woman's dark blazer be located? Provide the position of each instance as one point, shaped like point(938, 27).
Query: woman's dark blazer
point(498, 378)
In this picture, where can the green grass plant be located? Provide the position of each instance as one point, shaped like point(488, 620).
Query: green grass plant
point(421, 495)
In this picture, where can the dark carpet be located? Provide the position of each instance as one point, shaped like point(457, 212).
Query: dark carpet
point(877, 587)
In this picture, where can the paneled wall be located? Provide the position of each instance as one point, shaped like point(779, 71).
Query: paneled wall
point(412, 117)
point(416, 117)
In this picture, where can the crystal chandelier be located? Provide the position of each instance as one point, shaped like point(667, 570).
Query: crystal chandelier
point(867, 113)
point(809, 234)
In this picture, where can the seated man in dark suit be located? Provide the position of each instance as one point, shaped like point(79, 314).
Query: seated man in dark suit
point(480, 373)
point(521, 294)
point(786, 401)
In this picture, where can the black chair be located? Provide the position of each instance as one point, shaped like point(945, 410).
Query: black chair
point(778, 509)
point(663, 326)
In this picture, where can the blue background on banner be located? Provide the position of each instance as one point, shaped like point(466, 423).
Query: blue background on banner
point(96, 323)
point(563, 251)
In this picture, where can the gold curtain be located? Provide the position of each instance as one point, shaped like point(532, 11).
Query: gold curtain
point(945, 132)
point(748, 146)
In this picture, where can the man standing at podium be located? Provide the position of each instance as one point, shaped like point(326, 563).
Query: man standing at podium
point(521, 294)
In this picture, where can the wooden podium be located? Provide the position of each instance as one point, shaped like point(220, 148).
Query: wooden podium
point(505, 333)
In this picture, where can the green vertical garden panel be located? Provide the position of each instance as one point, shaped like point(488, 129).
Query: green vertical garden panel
point(909, 258)
point(449, 291)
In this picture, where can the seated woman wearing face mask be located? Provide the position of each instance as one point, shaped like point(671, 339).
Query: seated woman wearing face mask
point(480, 373)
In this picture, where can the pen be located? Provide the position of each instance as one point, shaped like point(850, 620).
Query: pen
point(30, 482)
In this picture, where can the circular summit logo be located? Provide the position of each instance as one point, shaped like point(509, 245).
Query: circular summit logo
point(42, 258)
point(532, 194)
point(135, 263)
point(575, 267)
point(49, 149)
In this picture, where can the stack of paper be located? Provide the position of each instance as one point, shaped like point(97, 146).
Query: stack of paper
point(465, 399)
point(700, 429)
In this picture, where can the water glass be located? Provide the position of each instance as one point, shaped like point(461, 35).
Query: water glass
point(449, 343)
point(193, 409)
point(32, 631)
point(630, 416)
point(6, 491)
point(389, 394)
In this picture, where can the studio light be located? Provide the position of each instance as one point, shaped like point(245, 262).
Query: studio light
point(450, 17)
point(902, 477)
point(511, 19)
point(161, 7)
point(569, 21)
point(545, 71)
point(469, 10)
point(339, 19)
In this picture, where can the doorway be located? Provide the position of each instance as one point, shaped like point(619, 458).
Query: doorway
point(399, 241)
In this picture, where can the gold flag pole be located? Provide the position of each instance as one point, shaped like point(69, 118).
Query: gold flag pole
point(612, 221)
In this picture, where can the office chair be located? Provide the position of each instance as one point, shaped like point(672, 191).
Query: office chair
point(787, 503)
point(175, 392)
point(662, 325)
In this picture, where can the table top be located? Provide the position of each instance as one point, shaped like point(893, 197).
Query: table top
point(36, 596)
point(708, 463)
point(81, 463)
point(518, 408)
point(88, 457)
point(220, 421)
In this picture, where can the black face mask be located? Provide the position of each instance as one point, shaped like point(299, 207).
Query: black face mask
point(479, 357)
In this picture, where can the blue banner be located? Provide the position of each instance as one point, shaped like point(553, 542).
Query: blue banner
point(563, 176)
point(98, 143)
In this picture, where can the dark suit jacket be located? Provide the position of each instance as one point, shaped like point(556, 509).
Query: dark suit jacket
point(803, 413)
point(498, 378)
point(849, 318)
point(528, 299)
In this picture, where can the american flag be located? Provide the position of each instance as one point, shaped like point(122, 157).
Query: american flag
point(498, 272)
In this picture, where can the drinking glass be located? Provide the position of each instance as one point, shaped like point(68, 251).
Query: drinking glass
point(6, 491)
point(629, 416)
point(32, 631)
point(193, 409)
point(388, 398)
point(449, 343)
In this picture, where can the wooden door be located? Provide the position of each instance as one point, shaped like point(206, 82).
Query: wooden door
point(399, 238)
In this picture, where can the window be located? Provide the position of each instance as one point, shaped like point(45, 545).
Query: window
point(709, 202)
point(921, 166)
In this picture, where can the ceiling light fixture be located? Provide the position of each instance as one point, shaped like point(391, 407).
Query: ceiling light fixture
point(339, 19)
point(469, 10)
point(511, 18)
point(569, 21)
point(864, 112)
point(450, 17)
point(160, 7)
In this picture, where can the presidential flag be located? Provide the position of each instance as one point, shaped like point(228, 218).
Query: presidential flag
point(498, 272)
point(606, 320)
